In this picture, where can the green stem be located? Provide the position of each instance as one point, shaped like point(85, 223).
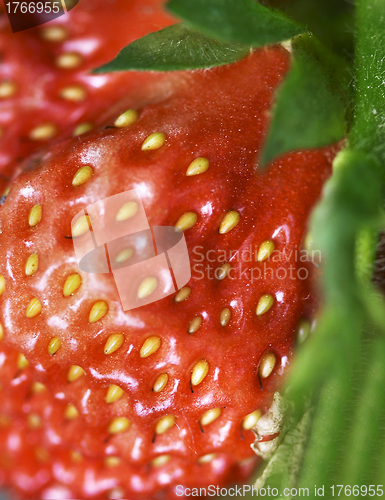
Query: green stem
point(368, 132)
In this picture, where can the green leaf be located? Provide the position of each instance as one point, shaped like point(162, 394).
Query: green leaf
point(175, 48)
point(368, 132)
point(309, 111)
point(241, 21)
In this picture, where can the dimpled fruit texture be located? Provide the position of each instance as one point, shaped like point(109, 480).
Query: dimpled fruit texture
point(135, 403)
point(46, 91)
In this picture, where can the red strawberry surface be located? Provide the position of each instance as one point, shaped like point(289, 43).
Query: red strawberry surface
point(222, 344)
point(46, 90)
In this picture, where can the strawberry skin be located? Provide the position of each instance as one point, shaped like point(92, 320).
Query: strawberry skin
point(57, 58)
point(224, 348)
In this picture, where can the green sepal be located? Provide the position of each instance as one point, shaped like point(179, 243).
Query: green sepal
point(311, 104)
point(177, 47)
point(241, 21)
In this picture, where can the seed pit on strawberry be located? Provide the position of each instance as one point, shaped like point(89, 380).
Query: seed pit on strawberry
point(43, 132)
point(114, 393)
point(127, 118)
point(73, 93)
point(225, 316)
point(154, 141)
point(34, 216)
point(75, 372)
point(182, 295)
point(7, 89)
point(195, 324)
point(69, 60)
point(53, 346)
point(267, 365)
point(150, 346)
point(265, 303)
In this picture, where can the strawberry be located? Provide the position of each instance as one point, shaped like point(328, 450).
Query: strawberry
point(167, 393)
point(64, 99)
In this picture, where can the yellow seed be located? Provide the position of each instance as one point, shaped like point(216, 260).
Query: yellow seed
point(118, 424)
point(98, 310)
point(69, 60)
point(160, 461)
point(229, 221)
point(38, 387)
point(264, 304)
point(183, 294)
point(186, 221)
point(7, 191)
point(74, 93)
point(41, 454)
point(251, 420)
point(81, 226)
point(265, 250)
point(22, 361)
point(54, 345)
point(1, 132)
point(34, 216)
point(127, 211)
point(33, 421)
point(82, 176)
point(164, 424)
point(74, 373)
point(124, 255)
point(114, 392)
point(112, 462)
point(225, 316)
point(71, 284)
point(2, 284)
point(302, 330)
point(43, 132)
point(154, 141)
point(82, 128)
point(5, 421)
point(223, 271)
point(76, 456)
point(160, 383)
point(199, 372)
point(113, 343)
point(31, 264)
point(198, 166)
point(147, 287)
point(150, 346)
point(7, 89)
point(127, 118)
point(210, 416)
point(1, 332)
point(267, 364)
point(71, 412)
point(195, 324)
point(54, 33)
point(33, 308)
point(205, 459)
